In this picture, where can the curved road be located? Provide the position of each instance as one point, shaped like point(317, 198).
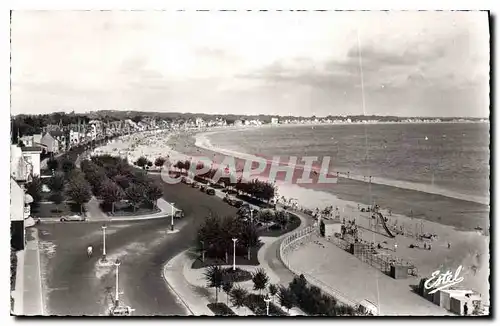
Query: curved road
point(74, 286)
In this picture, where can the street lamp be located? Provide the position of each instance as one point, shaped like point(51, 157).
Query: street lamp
point(103, 242)
point(117, 264)
point(234, 253)
point(172, 218)
point(267, 300)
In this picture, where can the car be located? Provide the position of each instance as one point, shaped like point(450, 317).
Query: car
point(237, 203)
point(196, 185)
point(211, 191)
point(179, 214)
point(183, 180)
point(203, 188)
point(73, 218)
point(188, 182)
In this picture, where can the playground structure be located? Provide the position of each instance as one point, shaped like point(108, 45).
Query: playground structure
point(367, 252)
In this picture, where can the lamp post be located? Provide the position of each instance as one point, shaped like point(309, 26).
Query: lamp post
point(103, 242)
point(202, 251)
point(172, 218)
point(234, 253)
point(267, 300)
point(117, 301)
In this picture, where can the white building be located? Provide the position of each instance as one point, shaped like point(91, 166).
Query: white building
point(274, 121)
point(20, 169)
point(32, 157)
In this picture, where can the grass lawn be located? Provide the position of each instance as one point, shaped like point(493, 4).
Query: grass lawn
point(53, 210)
point(240, 260)
point(276, 231)
point(220, 309)
point(125, 209)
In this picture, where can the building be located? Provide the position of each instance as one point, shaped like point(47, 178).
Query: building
point(51, 141)
point(274, 121)
point(32, 157)
point(20, 169)
point(19, 211)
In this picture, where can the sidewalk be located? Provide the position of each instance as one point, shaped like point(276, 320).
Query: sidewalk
point(32, 282)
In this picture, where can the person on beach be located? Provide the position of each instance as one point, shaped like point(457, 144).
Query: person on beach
point(449, 245)
point(395, 246)
point(89, 251)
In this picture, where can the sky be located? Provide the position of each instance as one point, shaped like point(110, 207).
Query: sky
point(276, 63)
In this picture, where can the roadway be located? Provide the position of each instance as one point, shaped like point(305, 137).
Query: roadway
point(74, 286)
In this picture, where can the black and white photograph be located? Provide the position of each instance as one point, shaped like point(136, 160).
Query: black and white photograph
point(250, 163)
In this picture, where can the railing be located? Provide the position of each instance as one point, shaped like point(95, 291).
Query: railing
point(289, 243)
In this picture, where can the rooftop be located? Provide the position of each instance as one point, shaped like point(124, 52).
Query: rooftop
point(31, 149)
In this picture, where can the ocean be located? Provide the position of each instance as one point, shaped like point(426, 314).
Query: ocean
point(438, 158)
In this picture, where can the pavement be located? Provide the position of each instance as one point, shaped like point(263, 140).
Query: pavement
point(32, 298)
point(190, 285)
point(143, 246)
point(344, 272)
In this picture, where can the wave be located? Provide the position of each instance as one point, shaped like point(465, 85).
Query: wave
point(202, 141)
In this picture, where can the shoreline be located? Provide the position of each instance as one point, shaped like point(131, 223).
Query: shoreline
point(451, 219)
point(202, 141)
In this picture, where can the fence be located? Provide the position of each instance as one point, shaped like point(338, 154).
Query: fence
point(369, 255)
point(295, 240)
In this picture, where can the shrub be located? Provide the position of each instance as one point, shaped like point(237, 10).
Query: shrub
point(238, 275)
point(220, 309)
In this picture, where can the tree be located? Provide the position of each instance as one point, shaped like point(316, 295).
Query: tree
point(57, 198)
point(260, 279)
point(153, 193)
point(159, 162)
point(135, 195)
point(150, 164)
point(265, 215)
point(238, 297)
point(286, 297)
point(281, 217)
point(79, 191)
point(67, 165)
point(34, 189)
point(111, 193)
point(179, 165)
point(141, 162)
point(214, 275)
point(227, 286)
point(52, 164)
point(249, 238)
point(273, 289)
point(56, 182)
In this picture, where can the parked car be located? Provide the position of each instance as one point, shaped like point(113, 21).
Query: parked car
point(196, 185)
point(73, 218)
point(179, 214)
point(183, 180)
point(203, 188)
point(211, 191)
point(237, 203)
point(188, 182)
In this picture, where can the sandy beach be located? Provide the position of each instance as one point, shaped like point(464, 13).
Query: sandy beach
point(451, 219)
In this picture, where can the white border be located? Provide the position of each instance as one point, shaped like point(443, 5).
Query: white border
point(173, 5)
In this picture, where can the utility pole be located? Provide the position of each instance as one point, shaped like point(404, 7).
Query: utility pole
point(234, 253)
point(104, 243)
